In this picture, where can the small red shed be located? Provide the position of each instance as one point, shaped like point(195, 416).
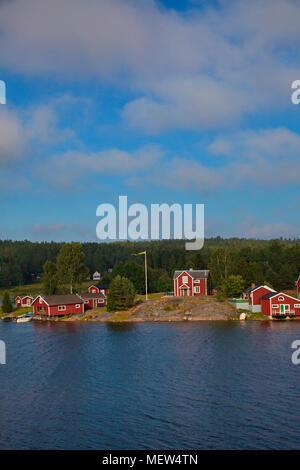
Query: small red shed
point(94, 300)
point(255, 296)
point(191, 282)
point(55, 305)
point(96, 288)
point(277, 304)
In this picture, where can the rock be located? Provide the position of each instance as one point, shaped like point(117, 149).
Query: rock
point(243, 316)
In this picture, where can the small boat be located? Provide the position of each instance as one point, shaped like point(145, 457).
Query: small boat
point(23, 319)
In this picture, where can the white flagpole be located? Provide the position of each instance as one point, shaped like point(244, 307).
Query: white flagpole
point(146, 280)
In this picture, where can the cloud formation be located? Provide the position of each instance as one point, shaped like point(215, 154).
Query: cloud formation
point(199, 69)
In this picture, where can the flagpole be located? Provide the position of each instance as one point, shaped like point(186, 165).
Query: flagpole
point(146, 278)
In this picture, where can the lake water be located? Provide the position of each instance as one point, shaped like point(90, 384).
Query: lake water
point(206, 385)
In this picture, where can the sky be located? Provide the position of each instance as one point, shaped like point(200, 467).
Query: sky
point(166, 102)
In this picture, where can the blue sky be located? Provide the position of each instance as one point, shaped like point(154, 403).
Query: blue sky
point(174, 101)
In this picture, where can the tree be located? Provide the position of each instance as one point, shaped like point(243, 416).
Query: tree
point(219, 265)
point(164, 283)
point(69, 264)
point(232, 286)
point(49, 278)
point(121, 294)
point(6, 303)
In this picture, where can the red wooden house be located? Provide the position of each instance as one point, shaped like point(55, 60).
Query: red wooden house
point(96, 288)
point(55, 305)
point(255, 296)
point(298, 287)
point(278, 304)
point(25, 301)
point(191, 282)
point(93, 300)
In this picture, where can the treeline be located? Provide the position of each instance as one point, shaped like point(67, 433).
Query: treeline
point(276, 262)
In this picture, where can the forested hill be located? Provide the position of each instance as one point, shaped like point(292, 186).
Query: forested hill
point(276, 262)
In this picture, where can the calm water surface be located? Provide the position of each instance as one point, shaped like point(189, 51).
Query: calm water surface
point(213, 385)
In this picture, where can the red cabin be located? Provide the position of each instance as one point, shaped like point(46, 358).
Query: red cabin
point(298, 287)
point(276, 304)
point(191, 282)
point(96, 288)
point(58, 305)
point(25, 301)
point(94, 300)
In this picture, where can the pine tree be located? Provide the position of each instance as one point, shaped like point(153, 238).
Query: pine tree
point(121, 294)
point(6, 303)
point(49, 278)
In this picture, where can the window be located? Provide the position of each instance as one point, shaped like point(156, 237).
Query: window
point(185, 279)
point(197, 280)
point(197, 289)
point(100, 301)
point(40, 301)
point(297, 306)
point(275, 306)
point(286, 307)
point(86, 301)
point(281, 298)
point(77, 306)
point(61, 307)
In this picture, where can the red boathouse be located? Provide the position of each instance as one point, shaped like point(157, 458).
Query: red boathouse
point(55, 305)
point(278, 304)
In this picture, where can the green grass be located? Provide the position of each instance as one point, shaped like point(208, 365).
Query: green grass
point(36, 289)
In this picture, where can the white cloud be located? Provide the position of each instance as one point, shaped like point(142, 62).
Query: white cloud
point(199, 69)
point(253, 228)
point(12, 137)
point(68, 167)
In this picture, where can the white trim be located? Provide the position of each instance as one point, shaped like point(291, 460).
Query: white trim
point(61, 308)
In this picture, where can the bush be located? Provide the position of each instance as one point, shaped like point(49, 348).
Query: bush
point(6, 303)
point(232, 286)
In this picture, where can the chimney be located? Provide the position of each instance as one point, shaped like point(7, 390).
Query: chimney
point(252, 285)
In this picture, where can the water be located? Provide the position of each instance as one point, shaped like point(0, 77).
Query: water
point(207, 385)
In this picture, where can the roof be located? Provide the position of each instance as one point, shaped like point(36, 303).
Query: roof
point(247, 291)
point(271, 294)
point(195, 273)
point(101, 286)
point(65, 299)
point(87, 295)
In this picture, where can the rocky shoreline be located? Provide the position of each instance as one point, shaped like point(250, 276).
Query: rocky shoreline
point(165, 309)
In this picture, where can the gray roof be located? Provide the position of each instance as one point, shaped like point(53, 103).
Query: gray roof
point(271, 294)
point(195, 273)
point(87, 295)
point(65, 299)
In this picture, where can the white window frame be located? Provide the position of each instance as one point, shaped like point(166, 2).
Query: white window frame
point(197, 289)
point(77, 306)
point(62, 308)
point(297, 306)
point(281, 298)
point(275, 306)
point(185, 279)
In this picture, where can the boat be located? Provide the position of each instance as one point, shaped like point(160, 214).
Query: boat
point(23, 318)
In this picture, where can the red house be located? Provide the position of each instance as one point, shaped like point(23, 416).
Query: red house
point(55, 305)
point(94, 300)
point(96, 288)
point(25, 301)
point(255, 296)
point(298, 287)
point(191, 282)
point(277, 304)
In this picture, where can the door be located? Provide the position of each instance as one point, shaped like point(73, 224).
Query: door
point(282, 309)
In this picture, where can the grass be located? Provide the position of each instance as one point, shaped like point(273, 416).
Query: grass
point(16, 311)
point(36, 289)
point(121, 316)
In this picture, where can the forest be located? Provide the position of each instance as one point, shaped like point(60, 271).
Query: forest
point(276, 262)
